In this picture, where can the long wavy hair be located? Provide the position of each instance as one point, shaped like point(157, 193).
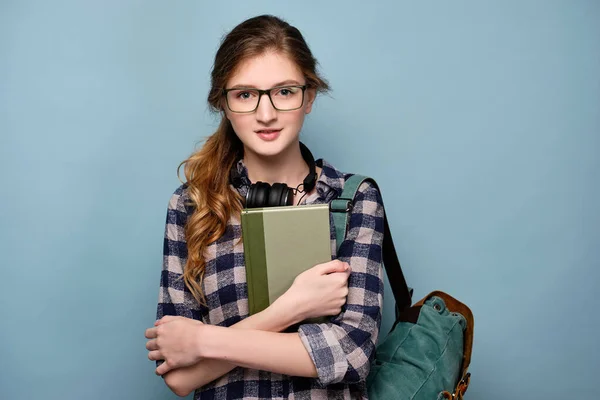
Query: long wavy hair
point(207, 170)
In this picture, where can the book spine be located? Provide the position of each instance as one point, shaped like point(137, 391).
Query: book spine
point(253, 236)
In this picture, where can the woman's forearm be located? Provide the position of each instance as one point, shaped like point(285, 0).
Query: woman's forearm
point(282, 353)
point(183, 381)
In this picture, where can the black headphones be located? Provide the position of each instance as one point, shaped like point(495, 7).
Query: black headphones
point(261, 194)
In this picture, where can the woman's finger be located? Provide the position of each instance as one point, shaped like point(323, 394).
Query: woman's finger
point(151, 333)
point(163, 368)
point(155, 355)
point(166, 318)
point(151, 345)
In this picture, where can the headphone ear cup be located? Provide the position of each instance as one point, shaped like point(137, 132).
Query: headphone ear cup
point(251, 196)
point(289, 200)
point(259, 195)
point(280, 195)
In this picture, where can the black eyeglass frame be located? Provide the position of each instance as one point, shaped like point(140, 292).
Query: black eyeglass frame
point(260, 95)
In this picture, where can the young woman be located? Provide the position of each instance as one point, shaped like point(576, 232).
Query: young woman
point(264, 83)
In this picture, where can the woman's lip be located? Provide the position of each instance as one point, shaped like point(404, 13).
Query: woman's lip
point(268, 134)
point(267, 130)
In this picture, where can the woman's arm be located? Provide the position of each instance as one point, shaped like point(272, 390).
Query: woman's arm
point(317, 292)
point(282, 353)
point(184, 342)
point(320, 291)
point(183, 381)
point(343, 348)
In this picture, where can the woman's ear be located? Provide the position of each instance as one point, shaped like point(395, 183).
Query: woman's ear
point(311, 95)
point(223, 109)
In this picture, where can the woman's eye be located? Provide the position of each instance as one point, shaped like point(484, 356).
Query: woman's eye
point(286, 92)
point(244, 95)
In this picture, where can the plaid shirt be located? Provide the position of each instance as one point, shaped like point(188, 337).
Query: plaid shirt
point(341, 349)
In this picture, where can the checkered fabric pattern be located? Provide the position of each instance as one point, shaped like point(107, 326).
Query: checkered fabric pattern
point(341, 349)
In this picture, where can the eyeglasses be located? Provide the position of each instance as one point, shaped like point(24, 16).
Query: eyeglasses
point(246, 100)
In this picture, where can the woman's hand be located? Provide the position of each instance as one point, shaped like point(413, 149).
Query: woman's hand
point(176, 340)
point(317, 292)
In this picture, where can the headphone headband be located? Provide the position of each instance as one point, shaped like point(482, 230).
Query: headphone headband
point(310, 180)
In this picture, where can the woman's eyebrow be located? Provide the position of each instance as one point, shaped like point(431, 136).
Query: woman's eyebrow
point(288, 82)
point(283, 83)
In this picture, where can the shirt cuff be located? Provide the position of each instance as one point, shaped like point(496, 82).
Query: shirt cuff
point(325, 350)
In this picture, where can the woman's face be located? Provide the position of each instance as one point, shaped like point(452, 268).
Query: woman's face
point(267, 131)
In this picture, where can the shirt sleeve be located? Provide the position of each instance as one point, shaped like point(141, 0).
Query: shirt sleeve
point(174, 298)
point(343, 348)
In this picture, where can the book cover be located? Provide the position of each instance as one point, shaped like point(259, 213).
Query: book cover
point(279, 244)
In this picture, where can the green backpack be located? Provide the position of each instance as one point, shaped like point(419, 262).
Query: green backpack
point(428, 350)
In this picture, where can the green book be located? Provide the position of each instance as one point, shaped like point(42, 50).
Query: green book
point(279, 244)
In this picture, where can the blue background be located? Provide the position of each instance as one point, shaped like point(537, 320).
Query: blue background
point(479, 120)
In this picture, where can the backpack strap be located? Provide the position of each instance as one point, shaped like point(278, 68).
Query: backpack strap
point(341, 209)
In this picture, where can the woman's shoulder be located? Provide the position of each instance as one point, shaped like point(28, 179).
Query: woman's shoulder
point(180, 199)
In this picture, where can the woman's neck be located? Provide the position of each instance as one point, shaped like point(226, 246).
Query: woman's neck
point(287, 167)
